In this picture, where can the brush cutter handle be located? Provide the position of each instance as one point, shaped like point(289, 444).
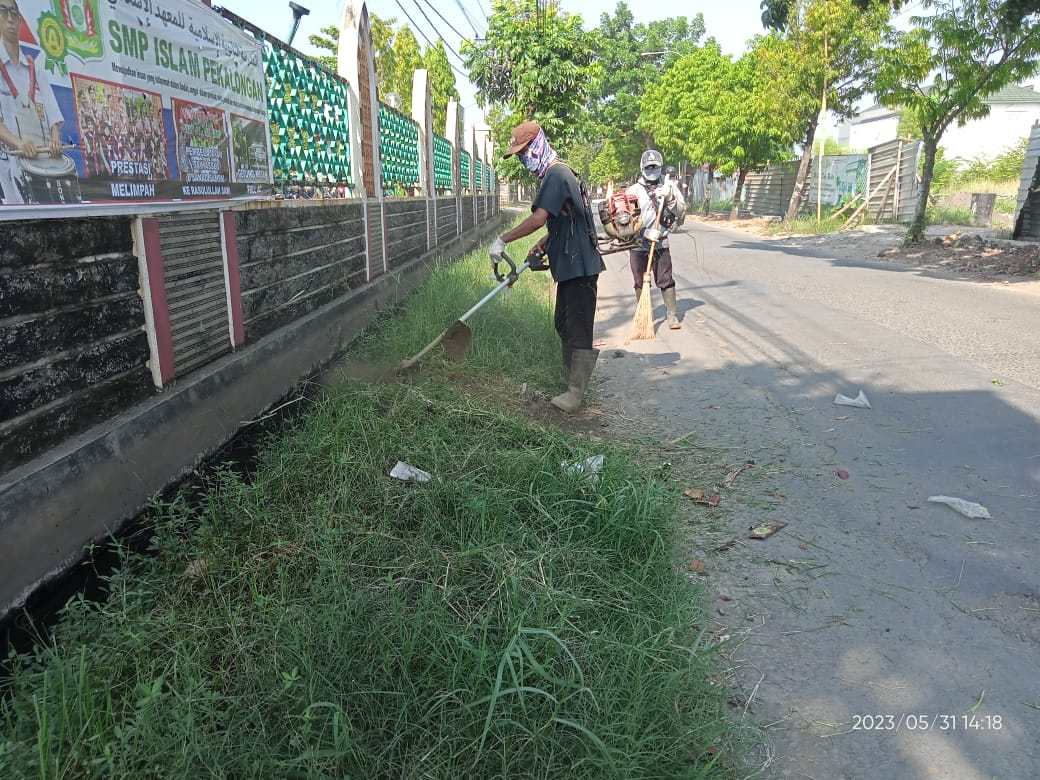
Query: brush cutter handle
point(513, 273)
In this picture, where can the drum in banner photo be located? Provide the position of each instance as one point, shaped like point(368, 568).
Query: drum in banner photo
point(50, 180)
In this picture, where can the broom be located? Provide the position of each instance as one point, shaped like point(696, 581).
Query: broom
point(643, 322)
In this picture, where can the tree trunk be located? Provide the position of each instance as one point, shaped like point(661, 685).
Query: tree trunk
point(916, 232)
point(801, 182)
point(708, 189)
point(737, 192)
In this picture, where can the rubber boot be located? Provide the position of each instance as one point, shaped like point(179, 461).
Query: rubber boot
point(582, 363)
point(669, 304)
point(568, 352)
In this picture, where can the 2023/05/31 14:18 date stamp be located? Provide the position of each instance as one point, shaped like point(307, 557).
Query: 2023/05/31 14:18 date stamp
point(927, 722)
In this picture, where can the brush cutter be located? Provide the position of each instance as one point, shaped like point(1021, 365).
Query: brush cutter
point(457, 336)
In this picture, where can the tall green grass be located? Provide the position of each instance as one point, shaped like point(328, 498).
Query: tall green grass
point(320, 619)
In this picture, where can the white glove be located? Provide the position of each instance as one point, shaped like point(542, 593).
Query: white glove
point(651, 234)
point(497, 250)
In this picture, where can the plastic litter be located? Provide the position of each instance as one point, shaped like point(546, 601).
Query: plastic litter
point(403, 471)
point(591, 466)
point(966, 508)
point(860, 400)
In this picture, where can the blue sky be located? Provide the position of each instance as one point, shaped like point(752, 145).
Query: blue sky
point(731, 22)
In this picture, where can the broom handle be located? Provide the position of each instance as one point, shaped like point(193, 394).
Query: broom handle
point(653, 244)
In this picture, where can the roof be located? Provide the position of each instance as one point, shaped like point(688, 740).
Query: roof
point(1014, 94)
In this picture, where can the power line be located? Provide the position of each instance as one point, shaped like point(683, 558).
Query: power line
point(441, 37)
point(426, 38)
point(465, 13)
point(452, 28)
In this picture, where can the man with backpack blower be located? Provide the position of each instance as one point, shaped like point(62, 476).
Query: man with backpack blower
point(561, 204)
point(659, 203)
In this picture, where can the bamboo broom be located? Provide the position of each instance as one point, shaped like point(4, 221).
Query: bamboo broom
point(643, 322)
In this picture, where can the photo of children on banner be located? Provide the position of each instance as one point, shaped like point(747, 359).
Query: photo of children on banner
point(121, 131)
point(33, 168)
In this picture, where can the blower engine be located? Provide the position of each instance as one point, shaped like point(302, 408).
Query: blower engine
point(620, 217)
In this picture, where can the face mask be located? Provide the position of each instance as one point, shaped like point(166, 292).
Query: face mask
point(651, 173)
point(538, 155)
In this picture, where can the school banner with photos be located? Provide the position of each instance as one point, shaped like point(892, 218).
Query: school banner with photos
point(137, 101)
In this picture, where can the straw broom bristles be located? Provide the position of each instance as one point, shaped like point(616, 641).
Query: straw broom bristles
point(643, 322)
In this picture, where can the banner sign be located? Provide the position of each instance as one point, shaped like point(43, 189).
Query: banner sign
point(140, 101)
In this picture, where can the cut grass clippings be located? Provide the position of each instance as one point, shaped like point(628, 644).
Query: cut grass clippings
point(322, 619)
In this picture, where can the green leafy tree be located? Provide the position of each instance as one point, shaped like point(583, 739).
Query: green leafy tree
point(1008, 165)
point(942, 71)
point(706, 109)
point(327, 41)
point(442, 84)
point(382, 40)
point(407, 60)
point(831, 51)
point(611, 163)
point(537, 63)
point(775, 13)
point(632, 58)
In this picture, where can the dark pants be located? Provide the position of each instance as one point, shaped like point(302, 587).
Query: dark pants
point(637, 259)
point(576, 311)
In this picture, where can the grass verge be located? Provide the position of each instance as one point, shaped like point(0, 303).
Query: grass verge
point(507, 618)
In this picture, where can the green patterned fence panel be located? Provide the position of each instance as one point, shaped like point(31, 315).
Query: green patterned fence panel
point(398, 149)
point(442, 163)
point(307, 111)
point(464, 166)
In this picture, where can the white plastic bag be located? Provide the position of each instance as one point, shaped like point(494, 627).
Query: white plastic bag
point(966, 508)
point(403, 471)
point(860, 400)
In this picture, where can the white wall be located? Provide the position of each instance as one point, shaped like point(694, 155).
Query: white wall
point(874, 132)
point(991, 136)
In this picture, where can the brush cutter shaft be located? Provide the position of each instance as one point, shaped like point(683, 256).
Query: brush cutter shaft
point(505, 280)
point(458, 329)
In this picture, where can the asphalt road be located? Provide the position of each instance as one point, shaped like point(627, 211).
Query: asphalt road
point(877, 635)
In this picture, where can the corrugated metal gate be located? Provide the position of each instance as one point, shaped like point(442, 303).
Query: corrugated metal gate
point(892, 185)
point(196, 294)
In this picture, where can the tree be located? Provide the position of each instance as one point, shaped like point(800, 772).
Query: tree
point(538, 63)
point(442, 84)
point(943, 70)
point(832, 52)
point(707, 109)
point(633, 57)
point(327, 41)
point(775, 13)
point(382, 40)
point(684, 110)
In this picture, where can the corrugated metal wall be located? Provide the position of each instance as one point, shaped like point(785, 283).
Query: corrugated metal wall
point(767, 192)
point(193, 264)
point(1027, 209)
point(892, 184)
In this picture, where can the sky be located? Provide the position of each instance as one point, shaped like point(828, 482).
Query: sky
point(730, 22)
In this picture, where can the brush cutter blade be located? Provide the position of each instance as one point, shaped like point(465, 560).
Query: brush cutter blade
point(456, 340)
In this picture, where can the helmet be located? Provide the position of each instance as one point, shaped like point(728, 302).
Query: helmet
point(651, 163)
point(670, 171)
